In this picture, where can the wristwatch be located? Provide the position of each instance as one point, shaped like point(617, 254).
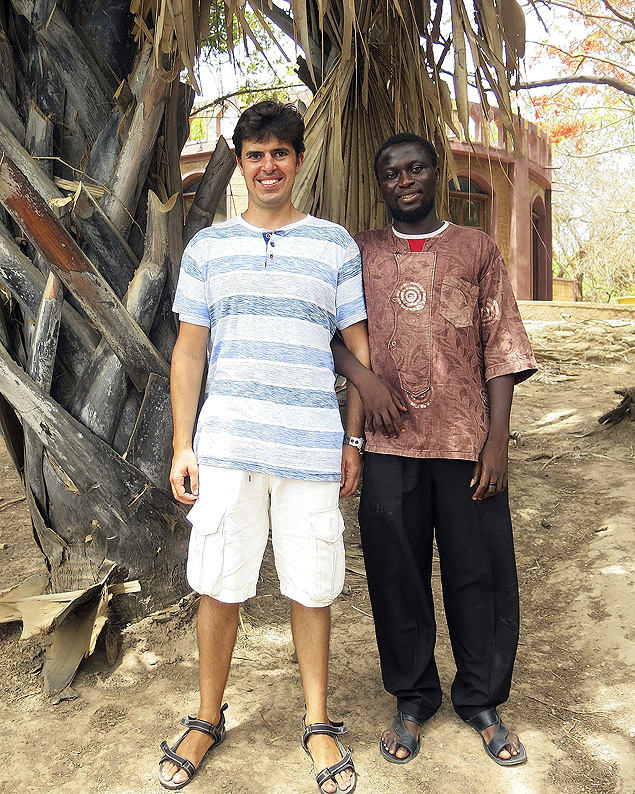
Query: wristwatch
point(355, 441)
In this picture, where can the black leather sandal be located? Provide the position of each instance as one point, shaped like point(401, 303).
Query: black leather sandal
point(334, 729)
point(498, 741)
point(218, 734)
point(406, 739)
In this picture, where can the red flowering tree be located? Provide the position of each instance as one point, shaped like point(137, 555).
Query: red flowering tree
point(595, 44)
point(589, 113)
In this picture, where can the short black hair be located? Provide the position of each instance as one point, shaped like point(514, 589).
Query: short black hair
point(267, 119)
point(407, 137)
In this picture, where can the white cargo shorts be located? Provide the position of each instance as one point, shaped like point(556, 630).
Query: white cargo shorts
point(230, 526)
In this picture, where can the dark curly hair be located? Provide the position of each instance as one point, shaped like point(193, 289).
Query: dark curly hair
point(267, 119)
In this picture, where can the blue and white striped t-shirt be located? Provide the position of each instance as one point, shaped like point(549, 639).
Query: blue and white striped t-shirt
point(272, 301)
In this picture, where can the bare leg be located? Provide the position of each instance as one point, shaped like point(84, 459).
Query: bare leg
point(311, 634)
point(217, 628)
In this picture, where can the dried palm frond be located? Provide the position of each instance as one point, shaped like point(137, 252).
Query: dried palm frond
point(176, 29)
point(376, 68)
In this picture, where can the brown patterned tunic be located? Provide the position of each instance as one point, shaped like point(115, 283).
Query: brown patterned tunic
point(441, 324)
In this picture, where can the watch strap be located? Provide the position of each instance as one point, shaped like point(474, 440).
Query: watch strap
point(355, 441)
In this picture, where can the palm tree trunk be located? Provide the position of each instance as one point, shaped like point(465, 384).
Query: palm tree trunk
point(91, 233)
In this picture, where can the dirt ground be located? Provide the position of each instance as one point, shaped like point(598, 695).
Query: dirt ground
point(573, 699)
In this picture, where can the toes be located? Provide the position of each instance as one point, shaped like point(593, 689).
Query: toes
point(167, 771)
point(344, 780)
point(388, 740)
point(402, 753)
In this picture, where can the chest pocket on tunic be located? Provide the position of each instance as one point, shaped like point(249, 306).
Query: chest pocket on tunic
point(410, 343)
point(458, 301)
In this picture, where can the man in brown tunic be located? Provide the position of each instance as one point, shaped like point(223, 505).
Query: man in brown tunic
point(446, 333)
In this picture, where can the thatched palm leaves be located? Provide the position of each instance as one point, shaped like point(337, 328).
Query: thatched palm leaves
point(383, 67)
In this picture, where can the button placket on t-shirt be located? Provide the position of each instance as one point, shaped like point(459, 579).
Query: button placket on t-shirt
point(269, 254)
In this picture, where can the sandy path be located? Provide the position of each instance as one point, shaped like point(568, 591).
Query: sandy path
point(573, 700)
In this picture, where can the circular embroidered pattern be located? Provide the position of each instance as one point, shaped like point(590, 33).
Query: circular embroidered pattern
point(411, 296)
point(490, 312)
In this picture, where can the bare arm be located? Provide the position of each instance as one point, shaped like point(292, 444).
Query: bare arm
point(382, 404)
point(188, 365)
point(356, 341)
point(490, 472)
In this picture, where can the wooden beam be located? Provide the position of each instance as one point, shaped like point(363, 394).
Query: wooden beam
point(101, 394)
point(12, 148)
point(120, 201)
point(150, 446)
point(9, 116)
point(78, 71)
point(26, 284)
point(107, 147)
point(212, 188)
point(160, 256)
point(103, 244)
point(138, 356)
point(39, 139)
point(40, 366)
point(41, 360)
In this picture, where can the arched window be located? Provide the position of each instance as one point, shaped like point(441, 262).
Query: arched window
point(470, 204)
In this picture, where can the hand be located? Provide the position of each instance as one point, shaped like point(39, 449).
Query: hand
point(184, 464)
point(490, 471)
point(351, 470)
point(383, 405)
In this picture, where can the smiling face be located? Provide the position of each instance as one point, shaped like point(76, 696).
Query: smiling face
point(408, 182)
point(269, 168)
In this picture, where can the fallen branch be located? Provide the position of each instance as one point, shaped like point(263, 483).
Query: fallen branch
point(12, 502)
point(566, 708)
point(626, 407)
point(357, 609)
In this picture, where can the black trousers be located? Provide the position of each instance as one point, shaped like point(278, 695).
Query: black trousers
point(405, 502)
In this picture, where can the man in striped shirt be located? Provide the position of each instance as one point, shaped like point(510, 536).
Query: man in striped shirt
point(259, 299)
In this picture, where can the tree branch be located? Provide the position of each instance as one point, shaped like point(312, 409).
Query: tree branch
point(222, 99)
point(613, 82)
point(605, 151)
point(618, 13)
point(279, 17)
point(584, 56)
